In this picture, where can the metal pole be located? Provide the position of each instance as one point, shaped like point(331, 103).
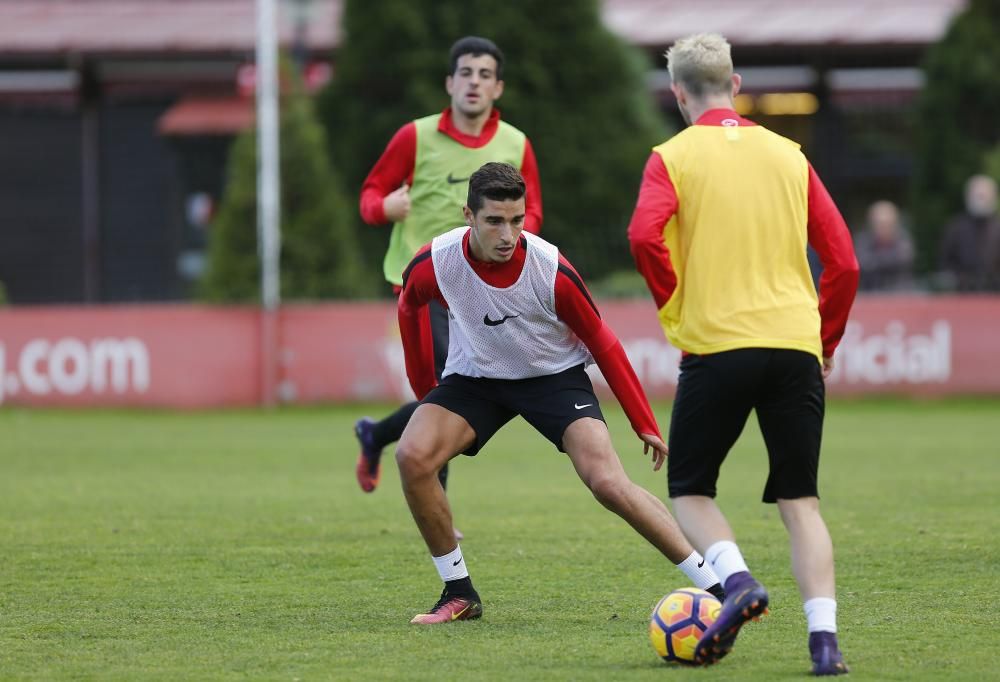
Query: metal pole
point(268, 192)
point(90, 205)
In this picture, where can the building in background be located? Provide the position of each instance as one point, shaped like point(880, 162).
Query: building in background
point(838, 77)
point(116, 116)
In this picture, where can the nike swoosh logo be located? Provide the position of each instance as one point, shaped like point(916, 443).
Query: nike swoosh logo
point(580, 407)
point(493, 323)
point(456, 563)
point(454, 181)
point(456, 616)
point(701, 563)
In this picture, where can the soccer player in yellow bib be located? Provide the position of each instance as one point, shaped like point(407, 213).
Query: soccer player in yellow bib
point(725, 212)
point(419, 184)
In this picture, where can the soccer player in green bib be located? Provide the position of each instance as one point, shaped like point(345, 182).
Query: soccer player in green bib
point(420, 183)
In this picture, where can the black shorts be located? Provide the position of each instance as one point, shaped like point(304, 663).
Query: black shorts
point(715, 394)
point(549, 403)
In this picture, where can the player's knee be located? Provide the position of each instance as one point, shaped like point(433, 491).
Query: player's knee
point(609, 490)
point(798, 511)
point(415, 460)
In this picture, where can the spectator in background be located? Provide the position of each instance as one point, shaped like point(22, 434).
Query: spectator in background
point(970, 249)
point(885, 250)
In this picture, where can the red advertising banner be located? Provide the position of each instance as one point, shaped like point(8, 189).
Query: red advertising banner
point(176, 356)
point(189, 356)
point(900, 345)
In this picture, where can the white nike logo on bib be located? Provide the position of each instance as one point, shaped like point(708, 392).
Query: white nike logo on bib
point(580, 407)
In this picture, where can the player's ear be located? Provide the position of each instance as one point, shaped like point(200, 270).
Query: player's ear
point(469, 215)
point(737, 81)
point(679, 93)
point(448, 84)
point(498, 90)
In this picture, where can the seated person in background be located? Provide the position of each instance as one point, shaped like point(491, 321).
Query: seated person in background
point(970, 249)
point(885, 250)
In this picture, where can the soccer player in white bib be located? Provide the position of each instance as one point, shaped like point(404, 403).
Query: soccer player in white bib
point(522, 327)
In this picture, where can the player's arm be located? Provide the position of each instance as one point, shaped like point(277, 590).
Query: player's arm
point(419, 288)
point(576, 308)
point(533, 190)
point(829, 236)
point(390, 178)
point(657, 203)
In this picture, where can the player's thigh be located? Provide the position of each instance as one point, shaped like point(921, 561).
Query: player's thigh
point(552, 403)
point(588, 444)
point(715, 394)
point(790, 413)
point(432, 437)
point(475, 402)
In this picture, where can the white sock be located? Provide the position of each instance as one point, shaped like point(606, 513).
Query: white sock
point(451, 566)
point(821, 614)
point(698, 570)
point(726, 559)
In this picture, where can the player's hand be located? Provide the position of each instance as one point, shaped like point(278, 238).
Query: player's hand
point(396, 204)
point(659, 449)
point(827, 366)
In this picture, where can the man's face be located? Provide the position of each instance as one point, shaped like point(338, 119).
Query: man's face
point(981, 196)
point(474, 85)
point(496, 227)
point(884, 220)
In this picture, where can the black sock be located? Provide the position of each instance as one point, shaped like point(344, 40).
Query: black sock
point(462, 587)
point(391, 428)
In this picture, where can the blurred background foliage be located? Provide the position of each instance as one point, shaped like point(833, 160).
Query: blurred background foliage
point(579, 93)
point(320, 256)
point(575, 89)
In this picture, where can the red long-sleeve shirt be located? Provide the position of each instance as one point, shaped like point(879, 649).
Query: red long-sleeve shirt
point(397, 162)
point(574, 306)
point(828, 235)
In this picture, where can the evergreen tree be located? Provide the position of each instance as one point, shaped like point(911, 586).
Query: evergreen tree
point(320, 257)
point(576, 90)
point(991, 163)
point(957, 117)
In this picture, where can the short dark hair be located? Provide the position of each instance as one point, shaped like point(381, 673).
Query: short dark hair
point(475, 46)
point(496, 181)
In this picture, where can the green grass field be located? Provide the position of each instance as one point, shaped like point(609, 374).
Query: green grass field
point(138, 545)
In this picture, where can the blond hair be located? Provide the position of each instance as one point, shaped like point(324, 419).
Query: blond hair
point(701, 63)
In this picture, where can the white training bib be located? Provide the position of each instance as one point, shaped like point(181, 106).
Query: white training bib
point(510, 333)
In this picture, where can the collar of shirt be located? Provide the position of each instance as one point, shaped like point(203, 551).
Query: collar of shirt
point(447, 126)
point(500, 275)
point(719, 117)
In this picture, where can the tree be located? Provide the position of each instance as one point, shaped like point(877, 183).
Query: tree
point(991, 163)
point(320, 257)
point(957, 118)
point(574, 88)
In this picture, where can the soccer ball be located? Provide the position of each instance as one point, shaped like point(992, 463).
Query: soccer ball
point(678, 622)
